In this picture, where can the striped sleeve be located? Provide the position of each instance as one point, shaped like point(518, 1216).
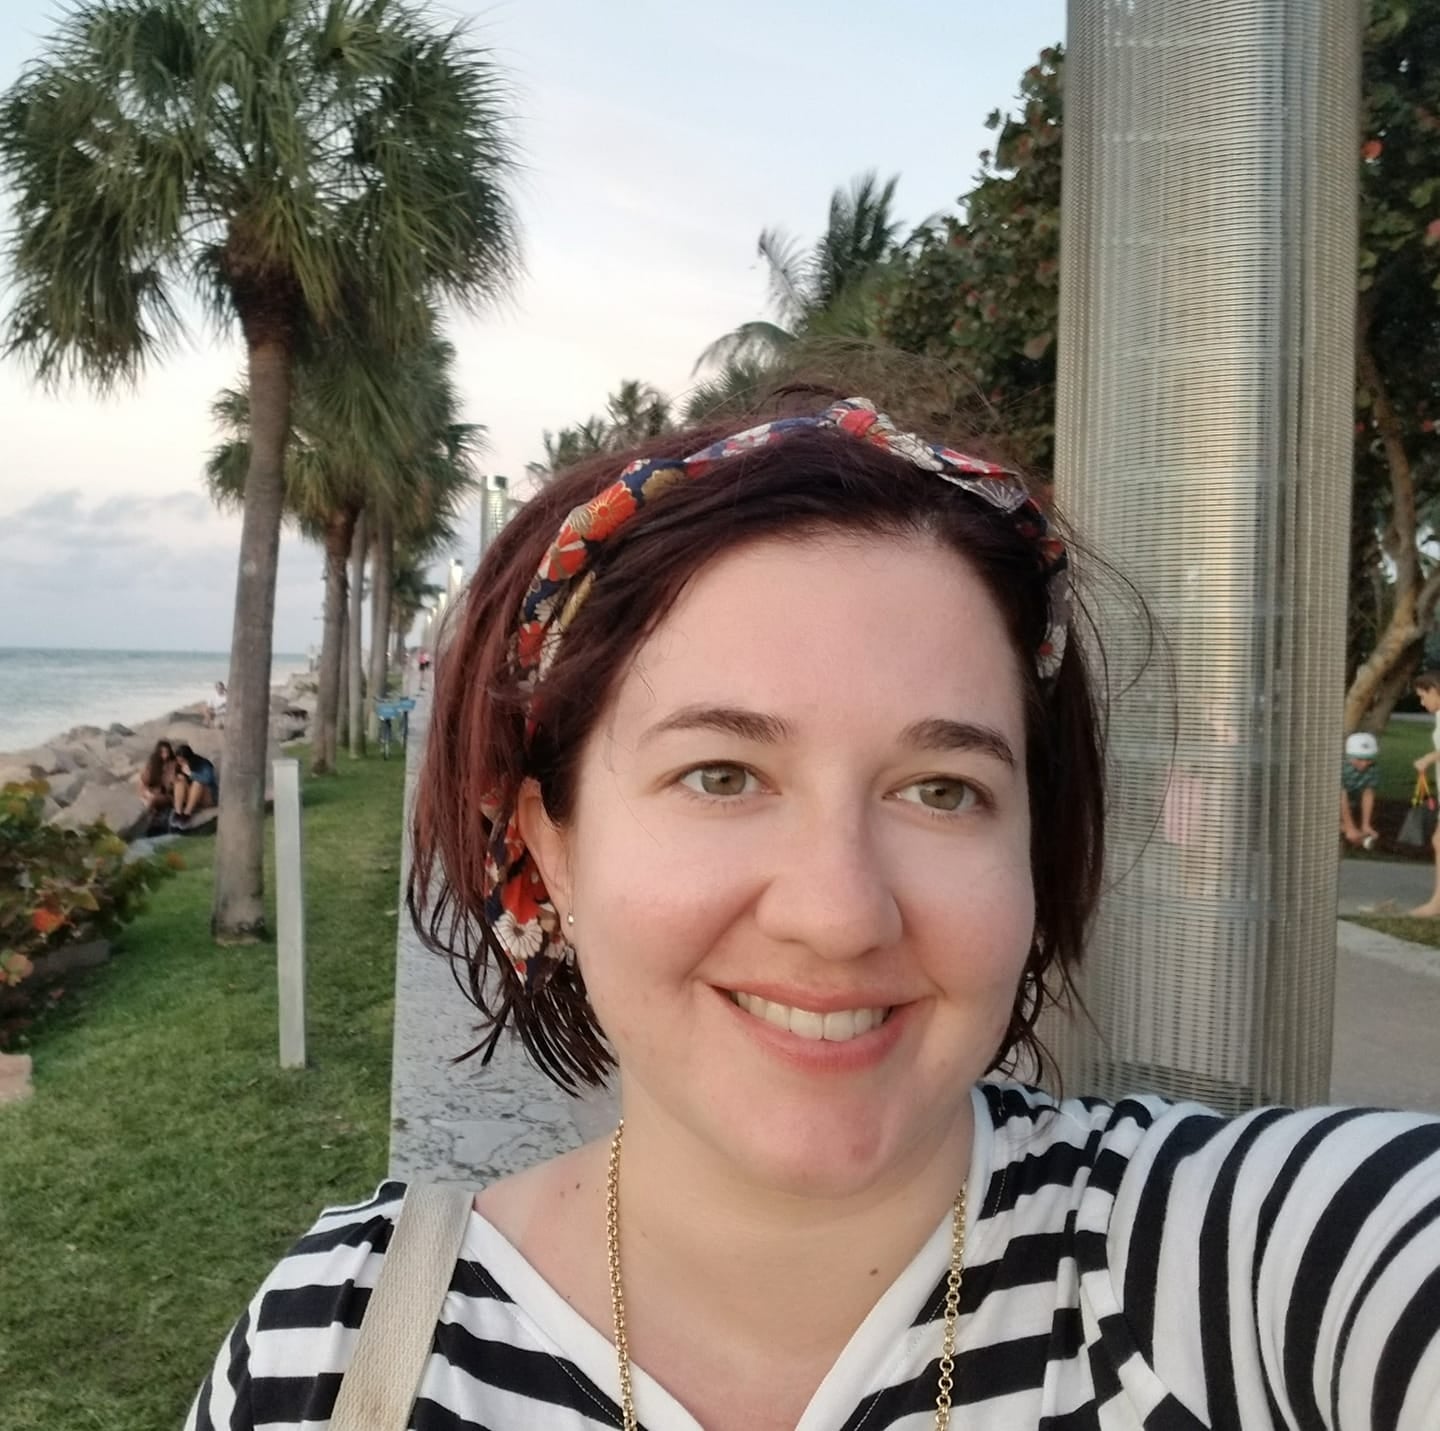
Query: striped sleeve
point(281, 1364)
point(1283, 1268)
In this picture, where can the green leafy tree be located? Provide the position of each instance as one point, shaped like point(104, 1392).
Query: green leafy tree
point(1395, 576)
point(980, 291)
point(272, 155)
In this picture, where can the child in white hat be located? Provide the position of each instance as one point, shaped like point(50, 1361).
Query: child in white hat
point(1359, 775)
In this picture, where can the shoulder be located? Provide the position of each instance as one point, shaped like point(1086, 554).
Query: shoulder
point(324, 1282)
point(1145, 1147)
point(282, 1361)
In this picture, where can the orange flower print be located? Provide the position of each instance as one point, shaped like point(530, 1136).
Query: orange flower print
point(567, 556)
point(610, 510)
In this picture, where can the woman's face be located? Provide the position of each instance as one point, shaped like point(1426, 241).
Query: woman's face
point(804, 814)
point(165, 751)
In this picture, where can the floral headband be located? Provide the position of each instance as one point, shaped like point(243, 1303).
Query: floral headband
point(517, 906)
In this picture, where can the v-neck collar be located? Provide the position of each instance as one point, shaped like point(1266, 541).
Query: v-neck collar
point(884, 1343)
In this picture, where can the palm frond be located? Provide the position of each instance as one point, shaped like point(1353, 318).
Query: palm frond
point(756, 342)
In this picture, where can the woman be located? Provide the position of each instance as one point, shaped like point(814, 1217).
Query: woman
point(157, 777)
point(777, 767)
point(197, 786)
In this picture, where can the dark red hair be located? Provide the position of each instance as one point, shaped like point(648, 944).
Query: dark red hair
point(813, 482)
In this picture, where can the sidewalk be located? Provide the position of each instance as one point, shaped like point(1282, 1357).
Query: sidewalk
point(463, 1123)
point(471, 1124)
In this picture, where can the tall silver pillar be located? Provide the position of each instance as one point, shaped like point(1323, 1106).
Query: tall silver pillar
point(1203, 448)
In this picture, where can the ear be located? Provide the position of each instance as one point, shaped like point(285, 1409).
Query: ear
point(546, 842)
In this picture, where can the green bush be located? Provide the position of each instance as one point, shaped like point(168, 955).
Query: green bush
point(57, 888)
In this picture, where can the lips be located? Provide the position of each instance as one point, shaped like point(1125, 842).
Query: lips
point(836, 1026)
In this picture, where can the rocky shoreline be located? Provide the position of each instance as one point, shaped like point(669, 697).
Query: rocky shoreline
point(91, 772)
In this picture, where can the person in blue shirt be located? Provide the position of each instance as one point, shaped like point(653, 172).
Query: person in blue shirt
point(197, 786)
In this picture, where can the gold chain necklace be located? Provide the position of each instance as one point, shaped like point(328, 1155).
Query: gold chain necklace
point(617, 1295)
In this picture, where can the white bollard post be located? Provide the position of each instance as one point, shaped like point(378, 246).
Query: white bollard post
point(290, 913)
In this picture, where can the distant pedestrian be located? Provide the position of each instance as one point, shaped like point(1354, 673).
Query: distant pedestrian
point(197, 786)
point(1427, 687)
point(424, 663)
point(215, 706)
point(1359, 776)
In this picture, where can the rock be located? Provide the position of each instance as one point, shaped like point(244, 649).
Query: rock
point(148, 845)
point(19, 770)
point(15, 1084)
point(122, 731)
point(78, 733)
point(63, 960)
point(124, 763)
point(45, 758)
point(64, 789)
point(119, 806)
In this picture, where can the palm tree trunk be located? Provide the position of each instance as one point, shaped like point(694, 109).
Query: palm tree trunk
point(380, 617)
point(238, 909)
point(397, 635)
point(342, 677)
point(338, 533)
point(358, 545)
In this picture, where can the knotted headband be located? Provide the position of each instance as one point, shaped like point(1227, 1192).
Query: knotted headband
point(517, 906)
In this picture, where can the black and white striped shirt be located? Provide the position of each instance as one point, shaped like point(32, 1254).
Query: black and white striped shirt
point(1131, 1264)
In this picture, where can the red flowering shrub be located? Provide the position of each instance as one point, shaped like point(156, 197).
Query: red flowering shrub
point(58, 887)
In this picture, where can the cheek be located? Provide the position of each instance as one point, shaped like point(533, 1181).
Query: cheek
point(978, 937)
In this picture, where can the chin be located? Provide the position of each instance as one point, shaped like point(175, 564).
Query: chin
point(806, 1148)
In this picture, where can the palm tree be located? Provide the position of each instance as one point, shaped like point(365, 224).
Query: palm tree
point(822, 291)
point(636, 411)
point(729, 391)
point(274, 155)
point(374, 443)
point(411, 592)
point(436, 471)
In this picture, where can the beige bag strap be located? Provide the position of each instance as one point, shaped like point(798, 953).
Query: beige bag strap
point(378, 1391)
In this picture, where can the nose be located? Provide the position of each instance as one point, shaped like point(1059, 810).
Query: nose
point(830, 891)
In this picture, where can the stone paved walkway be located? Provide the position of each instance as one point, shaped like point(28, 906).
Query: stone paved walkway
point(463, 1122)
point(471, 1124)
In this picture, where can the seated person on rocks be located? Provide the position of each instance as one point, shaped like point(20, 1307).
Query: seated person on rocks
point(197, 786)
point(215, 705)
point(157, 777)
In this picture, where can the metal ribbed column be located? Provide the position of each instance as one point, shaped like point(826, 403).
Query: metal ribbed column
point(1203, 448)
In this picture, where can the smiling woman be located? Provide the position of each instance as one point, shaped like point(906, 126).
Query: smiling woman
point(781, 791)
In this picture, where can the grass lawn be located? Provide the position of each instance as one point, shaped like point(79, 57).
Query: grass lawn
point(1417, 931)
point(165, 1161)
point(1402, 744)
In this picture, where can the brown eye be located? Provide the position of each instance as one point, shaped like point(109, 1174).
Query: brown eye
point(717, 780)
point(947, 796)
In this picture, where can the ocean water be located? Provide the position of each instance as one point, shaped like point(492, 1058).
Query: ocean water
point(44, 692)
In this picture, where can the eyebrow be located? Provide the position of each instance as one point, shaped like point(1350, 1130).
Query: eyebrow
point(939, 734)
point(728, 720)
point(933, 733)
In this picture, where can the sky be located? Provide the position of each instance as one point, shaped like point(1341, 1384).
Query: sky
point(657, 139)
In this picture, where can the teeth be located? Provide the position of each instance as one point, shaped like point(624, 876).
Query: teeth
point(838, 1027)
